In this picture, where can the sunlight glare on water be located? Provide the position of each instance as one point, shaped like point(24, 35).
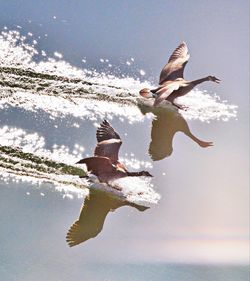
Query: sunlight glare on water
point(33, 143)
point(195, 213)
point(71, 97)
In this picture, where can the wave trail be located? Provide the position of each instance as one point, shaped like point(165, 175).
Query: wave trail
point(31, 80)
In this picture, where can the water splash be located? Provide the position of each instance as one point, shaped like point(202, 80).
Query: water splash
point(62, 90)
point(214, 108)
point(137, 190)
point(23, 157)
point(33, 81)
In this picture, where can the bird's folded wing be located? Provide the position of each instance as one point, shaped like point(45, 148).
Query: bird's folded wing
point(175, 67)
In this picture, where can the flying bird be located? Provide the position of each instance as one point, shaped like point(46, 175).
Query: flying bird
point(165, 124)
point(105, 162)
point(164, 127)
point(171, 83)
point(93, 213)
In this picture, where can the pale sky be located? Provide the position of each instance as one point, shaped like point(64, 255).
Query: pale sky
point(205, 198)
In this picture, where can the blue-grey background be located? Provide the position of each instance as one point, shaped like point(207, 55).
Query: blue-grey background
point(205, 199)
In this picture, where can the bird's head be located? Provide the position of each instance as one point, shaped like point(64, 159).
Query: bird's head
point(146, 93)
point(214, 79)
point(145, 174)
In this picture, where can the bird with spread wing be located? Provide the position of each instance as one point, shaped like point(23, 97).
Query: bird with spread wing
point(105, 162)
point(93, 213)
point(171, 83)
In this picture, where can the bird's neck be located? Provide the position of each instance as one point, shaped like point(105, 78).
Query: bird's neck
point(134, 174)
point(199, 81)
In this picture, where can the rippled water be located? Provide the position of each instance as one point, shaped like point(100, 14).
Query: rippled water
point(49, 114)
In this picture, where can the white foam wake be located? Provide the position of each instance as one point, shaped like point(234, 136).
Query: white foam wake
point(62, 90)
point(137, 190)
point(36, 170)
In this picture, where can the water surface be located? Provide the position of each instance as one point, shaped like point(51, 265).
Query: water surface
point(196, 230)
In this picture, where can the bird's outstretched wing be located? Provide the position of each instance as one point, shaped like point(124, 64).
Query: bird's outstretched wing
point(175, 67)
point(109, 142)
point(93, 214)
point(106, 132)
point(94, 210)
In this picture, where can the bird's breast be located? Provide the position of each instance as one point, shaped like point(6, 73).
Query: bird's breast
point(121, 167)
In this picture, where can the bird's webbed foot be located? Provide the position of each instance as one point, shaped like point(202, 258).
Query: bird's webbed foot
point(205, 143)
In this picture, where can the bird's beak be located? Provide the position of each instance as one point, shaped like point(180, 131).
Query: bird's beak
point(217, 80)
